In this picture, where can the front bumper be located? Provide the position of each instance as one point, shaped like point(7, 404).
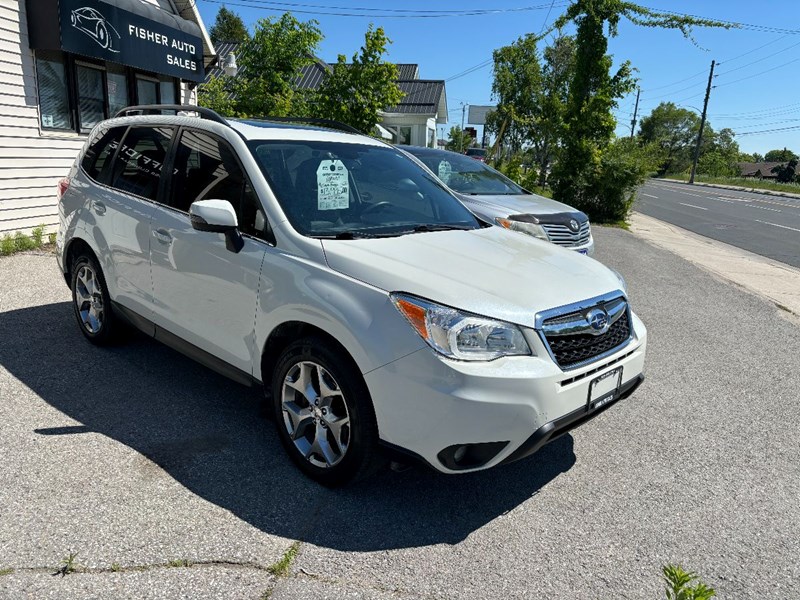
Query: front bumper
point(502, 410)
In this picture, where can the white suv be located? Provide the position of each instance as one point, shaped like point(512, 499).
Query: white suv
point(377, 312)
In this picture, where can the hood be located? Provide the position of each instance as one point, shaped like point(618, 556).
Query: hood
point(490, 206)
point(490, 272)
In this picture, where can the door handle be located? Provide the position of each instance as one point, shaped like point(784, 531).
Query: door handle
point(162, 235)
point(99, 207)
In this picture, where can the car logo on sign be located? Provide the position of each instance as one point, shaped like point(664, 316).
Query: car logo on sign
point(598, 320)
point(94, 24)
point(574, 225)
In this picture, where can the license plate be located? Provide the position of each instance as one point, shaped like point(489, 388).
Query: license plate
point(583, 251)
point(604, 389)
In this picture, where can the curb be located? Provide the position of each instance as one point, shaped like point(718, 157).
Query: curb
point(734, 187)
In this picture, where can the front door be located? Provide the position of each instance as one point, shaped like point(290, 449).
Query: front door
point(203, 292)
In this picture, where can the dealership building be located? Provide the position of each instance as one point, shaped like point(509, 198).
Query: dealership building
point(65, 65)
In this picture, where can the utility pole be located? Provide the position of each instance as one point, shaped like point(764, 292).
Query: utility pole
point(702, 125)
point(635, 112)
point(461, 140)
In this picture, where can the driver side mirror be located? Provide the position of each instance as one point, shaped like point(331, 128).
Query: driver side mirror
point(217, 216)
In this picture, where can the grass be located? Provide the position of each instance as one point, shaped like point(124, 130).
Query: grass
point(749, 183)
point(20, 242)
point(68, 565)
point(179, 562)
point(281, 568)
point(115, 567)
point(6, 572)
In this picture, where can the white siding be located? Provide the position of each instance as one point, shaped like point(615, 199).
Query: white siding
point(31, 161)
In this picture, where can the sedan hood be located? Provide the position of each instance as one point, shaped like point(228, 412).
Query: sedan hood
point(493, 206)
point(490, 272)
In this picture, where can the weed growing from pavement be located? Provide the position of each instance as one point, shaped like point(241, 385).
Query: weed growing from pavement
point(281, 568)
point(679, 585)
point(6, 572)
point(68, 565)
point(115, 567)
point(179, 562)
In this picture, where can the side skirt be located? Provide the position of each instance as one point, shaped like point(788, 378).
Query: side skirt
point(167, 338)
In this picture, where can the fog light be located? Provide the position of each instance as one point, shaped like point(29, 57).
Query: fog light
point(460, 453)
point(469, 456)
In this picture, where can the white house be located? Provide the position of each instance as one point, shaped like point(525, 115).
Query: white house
point(66, 65)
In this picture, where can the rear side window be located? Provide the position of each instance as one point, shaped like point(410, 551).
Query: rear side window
point(97, 159)
point(140, 159)
point(206, 168)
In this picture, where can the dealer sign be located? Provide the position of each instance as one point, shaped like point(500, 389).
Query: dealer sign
point(100, 30)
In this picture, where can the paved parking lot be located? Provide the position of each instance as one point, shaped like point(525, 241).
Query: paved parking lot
point(142, 463)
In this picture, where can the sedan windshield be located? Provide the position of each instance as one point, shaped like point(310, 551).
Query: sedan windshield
point(466, 175)
point(330, 189)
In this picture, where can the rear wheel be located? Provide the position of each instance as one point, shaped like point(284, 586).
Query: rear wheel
point(324, 414)
point(91, 301)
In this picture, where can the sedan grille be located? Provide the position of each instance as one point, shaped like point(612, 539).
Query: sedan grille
point(573, 341)
point(564, 236)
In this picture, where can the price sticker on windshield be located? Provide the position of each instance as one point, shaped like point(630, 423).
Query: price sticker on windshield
point(445, 170)
point(333, 185)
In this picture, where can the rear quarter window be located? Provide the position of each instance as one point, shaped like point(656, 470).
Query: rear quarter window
point(97, 158)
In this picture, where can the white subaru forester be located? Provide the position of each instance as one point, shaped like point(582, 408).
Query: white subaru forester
point(376, 310)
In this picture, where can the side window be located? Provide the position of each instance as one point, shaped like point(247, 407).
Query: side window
point(97, 159)
point(140, 159)
point(206, 168)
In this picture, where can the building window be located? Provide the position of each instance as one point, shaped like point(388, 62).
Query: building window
point(51, 76)
point(117, 89)
point(146, 90)
point(91, 96)
point(166, 90)
point(404, 136)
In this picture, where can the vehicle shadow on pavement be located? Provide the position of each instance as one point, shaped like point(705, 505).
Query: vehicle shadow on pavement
point(206, 432)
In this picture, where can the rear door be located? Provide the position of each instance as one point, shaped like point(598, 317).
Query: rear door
point(204, 293)
point(127, 162)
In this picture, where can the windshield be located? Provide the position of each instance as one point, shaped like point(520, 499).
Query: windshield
point(330, 189)
point(467, 175)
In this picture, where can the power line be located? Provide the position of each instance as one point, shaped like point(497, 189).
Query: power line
point(759, 74)
point(371, 12)
point(759, 60)
point(661, 87)
point(737, 24)
point(768, 131)
point(738, 56)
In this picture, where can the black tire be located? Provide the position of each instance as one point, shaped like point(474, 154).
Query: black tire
point(106, 328)
point(362, 456)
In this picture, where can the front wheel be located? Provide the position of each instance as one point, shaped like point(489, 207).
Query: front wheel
point(324, 414)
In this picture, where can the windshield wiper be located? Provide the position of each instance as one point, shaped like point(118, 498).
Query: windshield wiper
point(437, 227)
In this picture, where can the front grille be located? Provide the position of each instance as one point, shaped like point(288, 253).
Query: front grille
point(564, 236)
point(570, 350)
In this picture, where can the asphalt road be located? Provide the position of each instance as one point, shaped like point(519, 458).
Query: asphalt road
point(763, 224)
point(136, 458)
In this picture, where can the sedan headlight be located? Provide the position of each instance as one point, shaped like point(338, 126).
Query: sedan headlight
point(523, 227)
point(461, 335)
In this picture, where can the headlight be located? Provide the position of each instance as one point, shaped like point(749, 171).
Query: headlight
point(460, 335)
point(621, 281)
point(523, 227)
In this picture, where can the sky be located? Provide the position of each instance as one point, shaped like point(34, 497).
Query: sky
point(757, 78)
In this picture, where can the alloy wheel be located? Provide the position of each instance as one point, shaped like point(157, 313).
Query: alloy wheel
point(89, 299)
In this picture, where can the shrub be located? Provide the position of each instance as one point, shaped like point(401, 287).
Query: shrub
point(679, 585)
point(23, 242)
point(37, 234)
point(7, 245)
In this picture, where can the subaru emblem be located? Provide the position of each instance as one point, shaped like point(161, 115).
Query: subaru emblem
point(574, 225)
point(598, 320)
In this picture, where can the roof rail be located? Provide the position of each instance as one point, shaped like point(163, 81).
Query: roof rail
point(205, 113)
point(329, 123)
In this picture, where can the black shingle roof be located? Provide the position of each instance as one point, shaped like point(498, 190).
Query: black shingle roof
point(421, 96)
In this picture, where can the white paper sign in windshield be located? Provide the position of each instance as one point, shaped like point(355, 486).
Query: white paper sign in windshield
point(445, 170)
point(333, 186)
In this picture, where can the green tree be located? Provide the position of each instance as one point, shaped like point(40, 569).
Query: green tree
point(674, 131)
point(720, 156)
point(516, 87)
point(270, 64)
point(580, 176)
point(228, 27)
point(758, 157)
point(218, 95)
point(780, 155)
point(355, 93)
point(458, 140)
point(787, 173)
